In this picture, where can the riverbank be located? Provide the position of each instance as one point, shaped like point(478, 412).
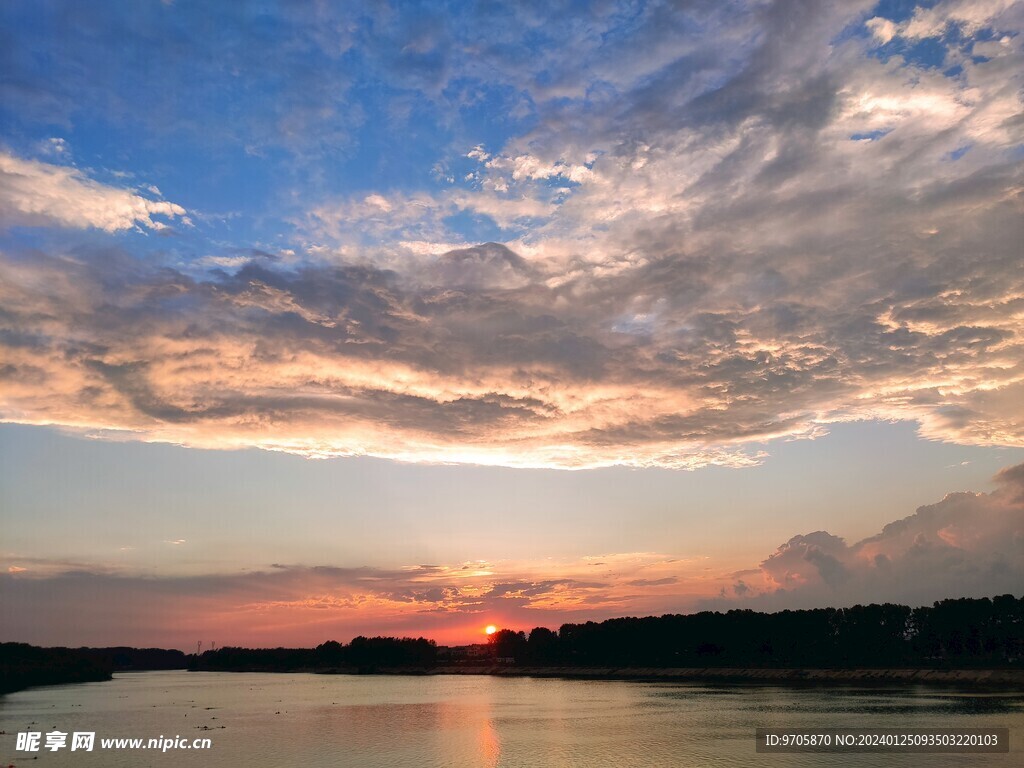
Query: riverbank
point(995, 678)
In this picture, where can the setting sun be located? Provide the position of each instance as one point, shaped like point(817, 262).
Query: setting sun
point(490, 629)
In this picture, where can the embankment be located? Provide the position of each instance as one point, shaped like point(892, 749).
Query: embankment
point(1000, 678)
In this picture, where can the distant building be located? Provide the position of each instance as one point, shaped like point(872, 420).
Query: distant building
point(455, 653)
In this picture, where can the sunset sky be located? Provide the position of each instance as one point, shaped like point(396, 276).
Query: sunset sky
point(322, 319)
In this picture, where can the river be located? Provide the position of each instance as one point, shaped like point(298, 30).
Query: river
point(314, 721)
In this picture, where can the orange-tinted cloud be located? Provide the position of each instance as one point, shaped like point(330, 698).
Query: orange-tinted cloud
point(37, 193)
point(730, 248)
point(966, 545)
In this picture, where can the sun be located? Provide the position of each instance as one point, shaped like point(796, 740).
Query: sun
point(490, 629)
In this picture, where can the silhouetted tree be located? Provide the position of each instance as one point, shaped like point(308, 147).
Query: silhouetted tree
point(330, 654)
point(507, 643)
point(23, 665)
point(543, 647)
point(962, 632)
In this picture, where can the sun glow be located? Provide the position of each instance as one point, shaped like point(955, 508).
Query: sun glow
point(490, 629)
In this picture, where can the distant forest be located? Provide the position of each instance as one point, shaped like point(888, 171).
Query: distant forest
point(951, 634)
point(23, 665)
point(365, 654)
point(960, 633)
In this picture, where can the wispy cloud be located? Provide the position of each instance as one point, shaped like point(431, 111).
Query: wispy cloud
point(963, 16)
point(34, 193)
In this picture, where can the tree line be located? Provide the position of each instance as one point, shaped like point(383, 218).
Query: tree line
point(23, 665)
point(960, 633)
point(951, 633)
point(366, 654)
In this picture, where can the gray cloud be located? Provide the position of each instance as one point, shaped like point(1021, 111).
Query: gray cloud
point(666, 364)
point(652, 582)
point(967, 545)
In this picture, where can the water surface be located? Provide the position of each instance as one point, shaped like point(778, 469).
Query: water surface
point(317, 721)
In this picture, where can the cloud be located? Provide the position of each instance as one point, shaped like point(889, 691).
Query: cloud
point(883, 30)
point(752, 226)
point(306, 605)
point(967, 16)
point(1012, 480)
point(653, 582)
point(968, 544)
point(679, 361)
point(271, 86)
point(490, 265)
point(33, 193)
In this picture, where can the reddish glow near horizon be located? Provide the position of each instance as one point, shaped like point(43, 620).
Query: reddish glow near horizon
point(490, 629)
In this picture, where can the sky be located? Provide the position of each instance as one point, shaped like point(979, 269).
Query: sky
point(410, 318)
